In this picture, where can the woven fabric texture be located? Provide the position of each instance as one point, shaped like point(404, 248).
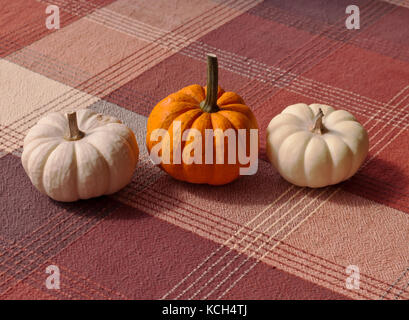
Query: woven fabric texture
point(256, 238)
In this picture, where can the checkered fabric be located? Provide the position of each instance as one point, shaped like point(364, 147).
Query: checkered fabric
point(256, 238)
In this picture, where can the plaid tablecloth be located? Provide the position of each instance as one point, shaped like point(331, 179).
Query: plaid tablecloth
point(256, 238)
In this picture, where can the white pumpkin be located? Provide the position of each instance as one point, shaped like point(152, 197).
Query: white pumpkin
point(79, 155)
point(316, 145)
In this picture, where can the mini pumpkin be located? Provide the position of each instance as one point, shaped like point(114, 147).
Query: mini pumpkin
point(202, 108)
point(80, 155)
point(316, 145)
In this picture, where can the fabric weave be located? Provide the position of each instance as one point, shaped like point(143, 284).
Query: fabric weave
point(256, 238)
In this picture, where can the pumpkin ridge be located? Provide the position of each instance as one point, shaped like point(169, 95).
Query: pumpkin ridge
point(99, 124)
point(193, 126)
point(331, 158)
point(131, 151)
point(189, 122)
point(213, 168)
point(179, 97)
point(123, 139)
point(172, 114)
point(170, 103)
point(291, 125)
point(227, 119)
point(45, 158)
point(225, 106)
point(215, 127)
point(231, 171)
point(236, 129)
point(186, 124)
point(48, 158)
point(346, 116)
point(223, 114)
point(229, 97)
point(106, 163)
point(270, 137)
point(49, 120)
point(163, 123)
point(48, 139)
point(307, 180)
point(276, 122)
point(292, 135)
point(343, 121)
point(291, 110)
point(298, 117)
point(135, 149)
point(190, 91)
point(350, 150)
point(188, 107)
point(129, 146)
point(84, 117)
point(130, 134)
point(52, 126)
point(342, 135)
point(246, 112)
point(74, 160)
point(350, 153)
point(232, 107)
point(304, 148)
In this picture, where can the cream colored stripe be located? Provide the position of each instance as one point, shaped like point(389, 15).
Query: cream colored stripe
point(233, 236)
point(297, 258)
point(264, 255)
point(248, 246)
point(258, 249)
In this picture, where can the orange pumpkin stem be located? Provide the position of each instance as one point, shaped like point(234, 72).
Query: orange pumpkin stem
point(210, 103)
point(74, 132)
point(318, 127)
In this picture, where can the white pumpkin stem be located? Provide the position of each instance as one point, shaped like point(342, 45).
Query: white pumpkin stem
point(318, 127)
point(74, 132)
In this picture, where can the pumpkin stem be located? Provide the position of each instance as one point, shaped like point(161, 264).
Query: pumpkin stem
point(210, 103)
point(74, 132)
point(318, 127)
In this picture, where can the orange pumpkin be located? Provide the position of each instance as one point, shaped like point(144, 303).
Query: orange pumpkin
point(201, 108)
